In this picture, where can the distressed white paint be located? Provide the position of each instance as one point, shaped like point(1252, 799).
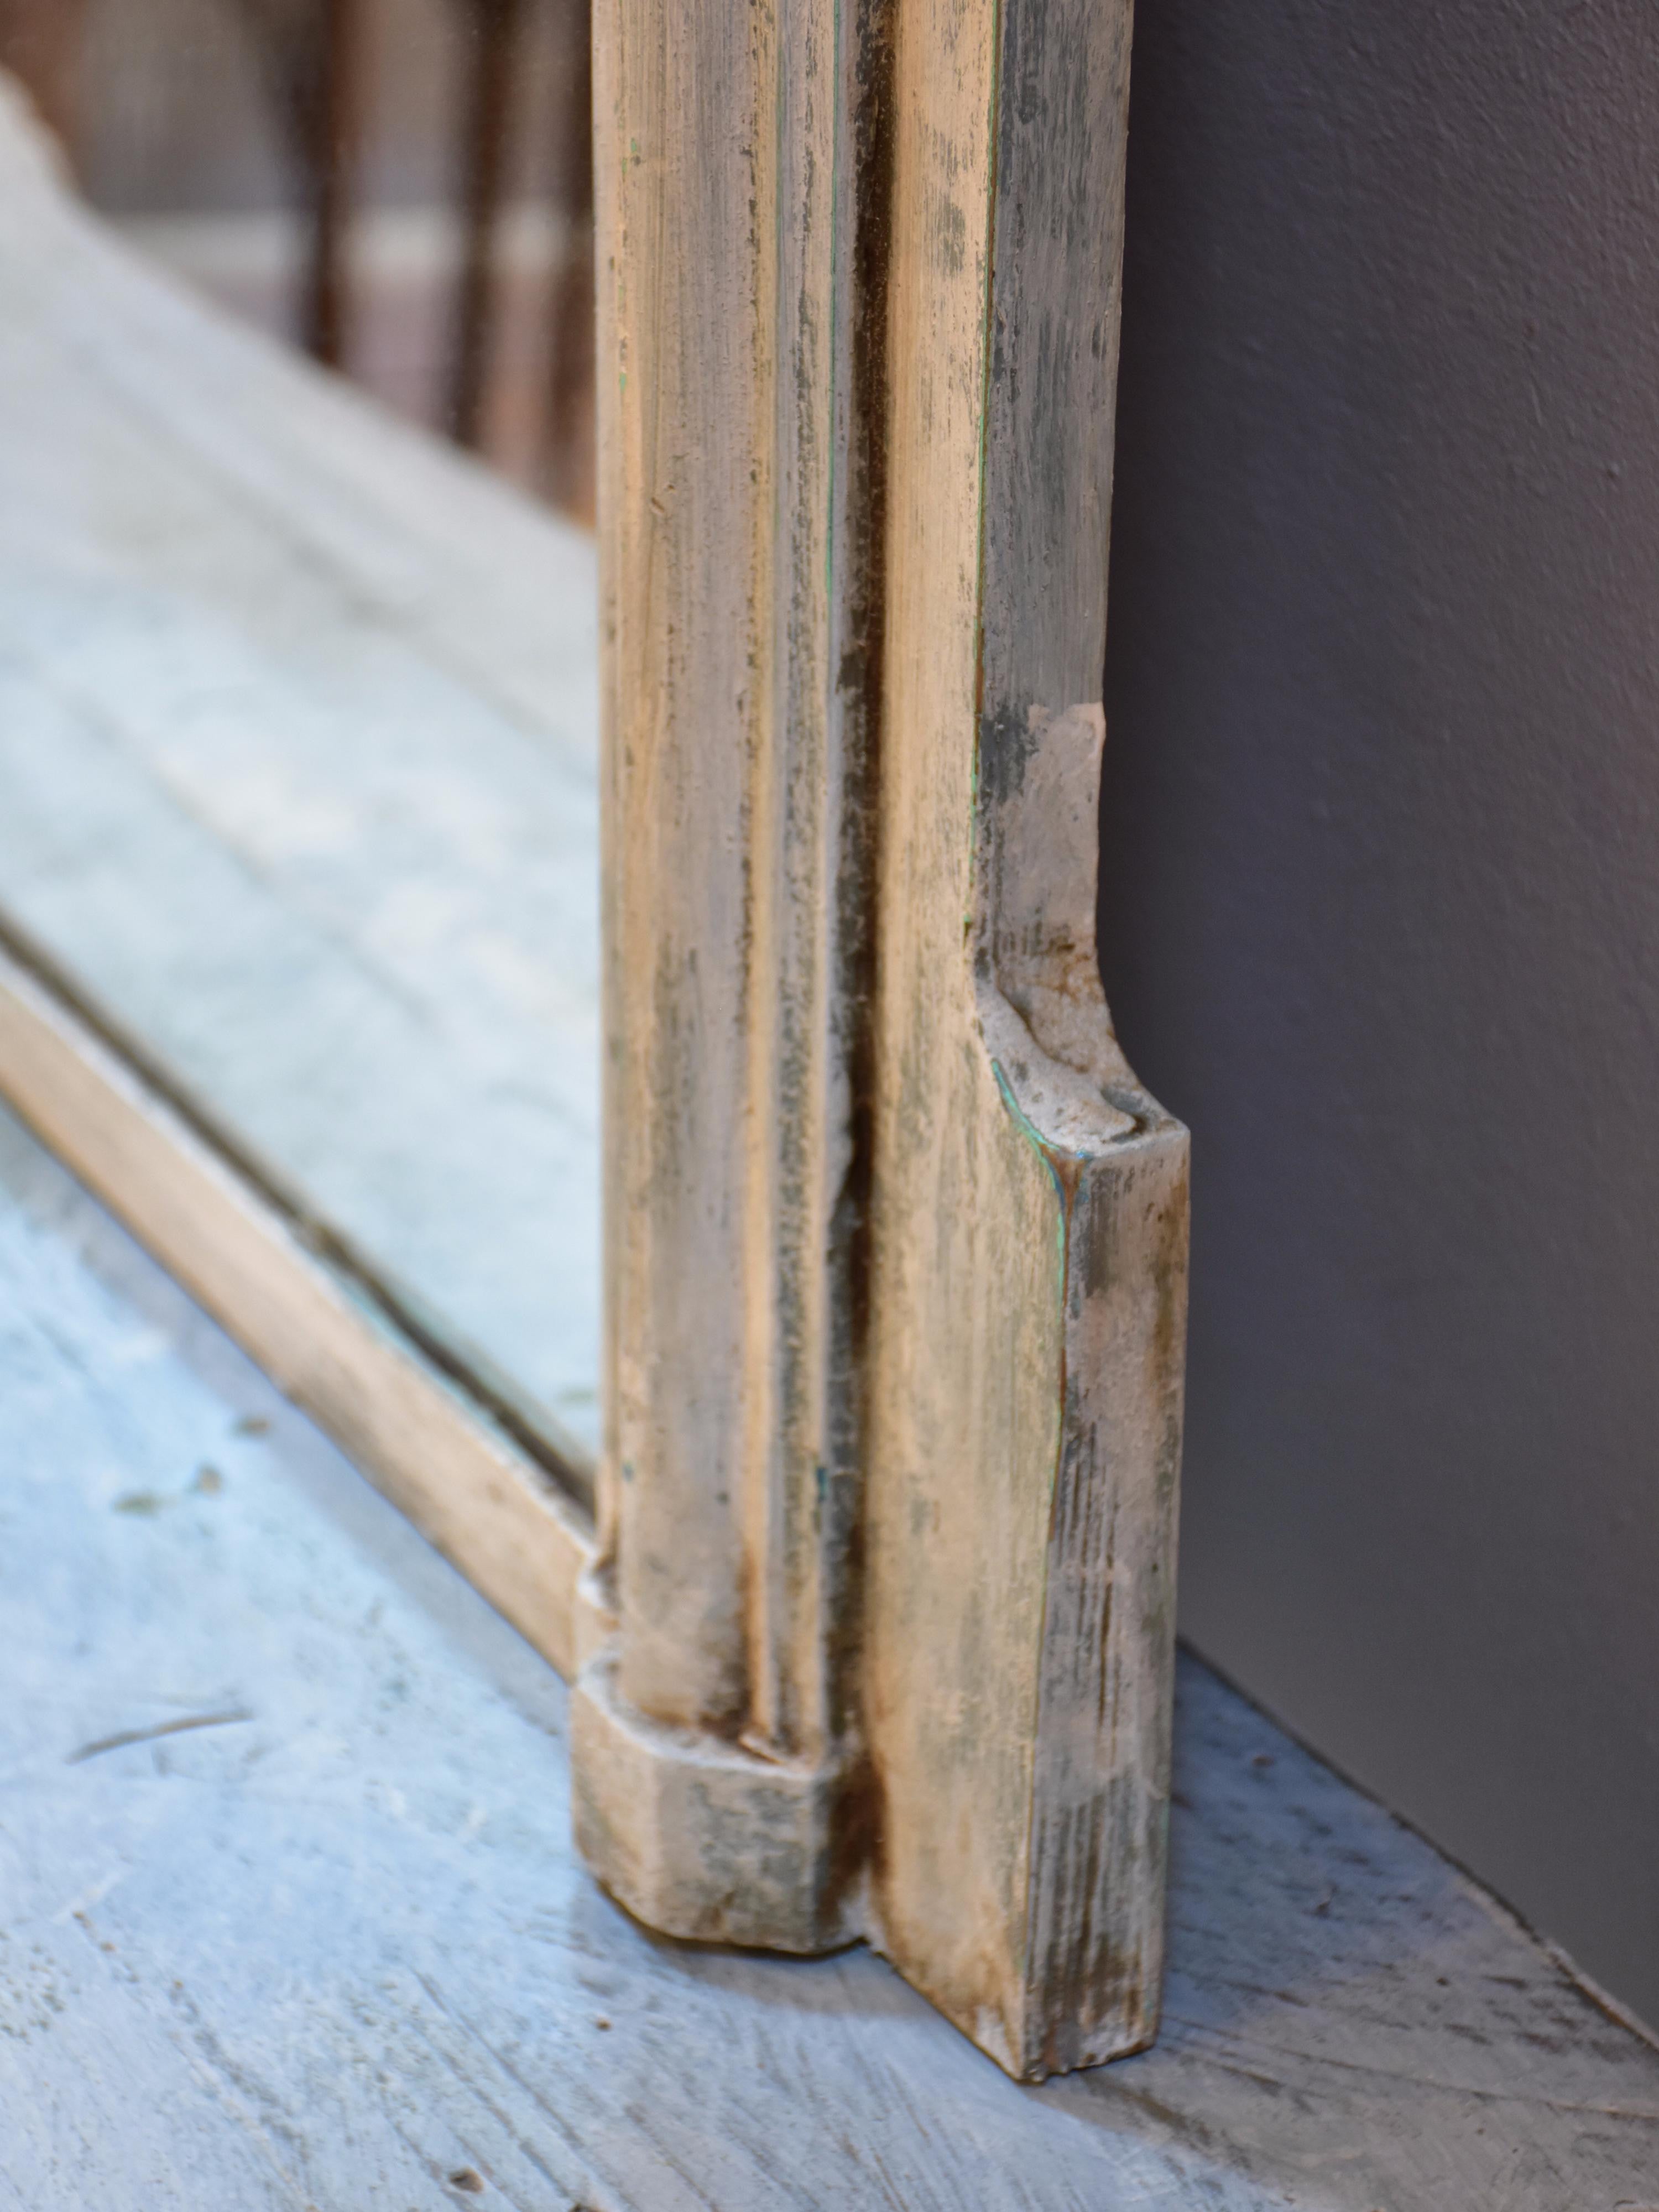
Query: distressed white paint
point(333, 1953)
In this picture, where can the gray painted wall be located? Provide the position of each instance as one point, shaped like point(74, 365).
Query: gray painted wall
point(1380, 891)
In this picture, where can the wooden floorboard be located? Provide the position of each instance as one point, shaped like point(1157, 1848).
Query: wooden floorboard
point(289, 1916)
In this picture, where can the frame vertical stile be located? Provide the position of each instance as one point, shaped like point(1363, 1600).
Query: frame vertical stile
point(1031, 1198)
point(715, 1706)
point(882, 1642)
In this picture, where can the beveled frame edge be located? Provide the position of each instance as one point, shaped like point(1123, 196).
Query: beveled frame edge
point(500, 1502)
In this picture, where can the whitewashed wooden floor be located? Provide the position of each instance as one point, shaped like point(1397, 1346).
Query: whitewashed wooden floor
point(289, 1914)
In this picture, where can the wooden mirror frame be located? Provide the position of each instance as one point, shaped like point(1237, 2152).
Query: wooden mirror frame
point(879, 1641)
point(871, 1620)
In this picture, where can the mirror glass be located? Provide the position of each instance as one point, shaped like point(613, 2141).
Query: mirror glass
point(298, 699)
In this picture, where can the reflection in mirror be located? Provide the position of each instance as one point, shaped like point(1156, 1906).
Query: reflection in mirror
point(298, 708)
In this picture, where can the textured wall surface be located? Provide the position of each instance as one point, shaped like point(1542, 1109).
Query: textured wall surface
point(1380, 891)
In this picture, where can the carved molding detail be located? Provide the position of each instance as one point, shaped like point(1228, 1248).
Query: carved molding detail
point(880, 1635)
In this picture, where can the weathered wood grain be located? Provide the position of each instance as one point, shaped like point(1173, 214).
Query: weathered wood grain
point(1030, 1206)
point(301, 796)
point(898, 1245)
point(339, 1951)
point(714, 1727)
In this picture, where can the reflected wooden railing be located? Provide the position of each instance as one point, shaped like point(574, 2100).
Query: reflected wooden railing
point(41, 44)
point(311, 56)
point(314, 63)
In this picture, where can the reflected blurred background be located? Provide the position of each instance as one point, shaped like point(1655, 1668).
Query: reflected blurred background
point(402, 188)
